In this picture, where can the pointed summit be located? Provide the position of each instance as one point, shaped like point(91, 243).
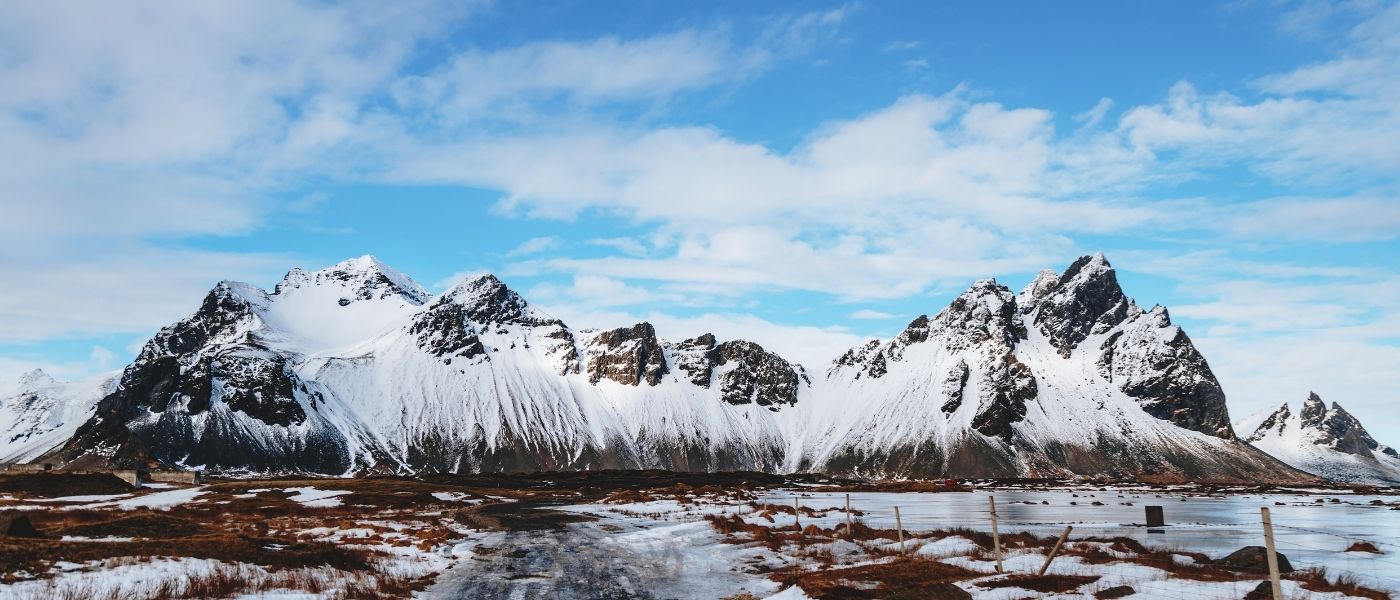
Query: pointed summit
point(486, 299)
point(1086, 298)
point(1314, 411)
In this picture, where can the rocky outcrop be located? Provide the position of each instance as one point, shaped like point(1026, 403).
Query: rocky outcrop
point(627, 355)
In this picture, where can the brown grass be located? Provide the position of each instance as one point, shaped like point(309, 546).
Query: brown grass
point(1041, 583)
point(896, 579)
point(1316, 580)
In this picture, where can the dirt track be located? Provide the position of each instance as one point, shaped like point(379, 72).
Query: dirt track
point(551, 554)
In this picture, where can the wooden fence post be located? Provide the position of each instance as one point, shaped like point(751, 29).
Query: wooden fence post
point(797, 514)
point(996, 537)
point(1273, 556)
point(1055, 550)
point(850, 532)
point(899, 524)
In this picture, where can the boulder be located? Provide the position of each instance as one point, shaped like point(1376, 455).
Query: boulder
point(14, 523)
point(1253, 559)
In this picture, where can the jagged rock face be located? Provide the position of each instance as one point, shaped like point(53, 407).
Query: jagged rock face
point(445, 330)
point(183, 365)
point(627, 355)
point(748, 374)
point(1328, 442)
point(1314, 411)
point(744, 372)
point(1141, 352)
point(1010, 386)
point(1086, 299)
point(1156, 363)
point(452, 326)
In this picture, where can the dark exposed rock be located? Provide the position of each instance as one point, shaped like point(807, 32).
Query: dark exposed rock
point(1155, 362)
point(1011, 385)
point(755, 375)
point(627, 355)
point(445, 331)
point(954, 384)
point(1086, 296)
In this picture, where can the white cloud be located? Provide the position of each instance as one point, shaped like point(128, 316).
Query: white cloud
point(535, 245)
point(119, 290)
point(876, 315)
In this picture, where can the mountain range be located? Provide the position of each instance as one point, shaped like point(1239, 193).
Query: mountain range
point(357, 369)
point(1325, 441)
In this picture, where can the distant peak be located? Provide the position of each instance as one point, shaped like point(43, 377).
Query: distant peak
point(35, 379)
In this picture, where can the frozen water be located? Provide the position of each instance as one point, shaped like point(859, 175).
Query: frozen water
point(1309, 532)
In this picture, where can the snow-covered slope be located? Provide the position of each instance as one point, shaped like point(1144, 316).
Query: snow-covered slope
point(1069, 377)
point(1326, 442)
point(41, 414)
point(356, 368)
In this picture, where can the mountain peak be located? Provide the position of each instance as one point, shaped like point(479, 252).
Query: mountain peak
point(1085, 298)
point(486, 299)
point(35, 379)
point(366, 277)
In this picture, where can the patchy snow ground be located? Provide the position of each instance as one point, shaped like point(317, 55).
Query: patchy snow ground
point(667, 548)
point(315, 497)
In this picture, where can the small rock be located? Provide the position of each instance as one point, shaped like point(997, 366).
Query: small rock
point(1114, 592)
point(1263, 591)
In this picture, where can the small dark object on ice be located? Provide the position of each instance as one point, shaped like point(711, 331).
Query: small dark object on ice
point(1114, 592)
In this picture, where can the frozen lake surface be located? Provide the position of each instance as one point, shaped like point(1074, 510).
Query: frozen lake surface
point(1310, 529)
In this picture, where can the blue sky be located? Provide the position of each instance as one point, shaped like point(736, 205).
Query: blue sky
point(805, 175)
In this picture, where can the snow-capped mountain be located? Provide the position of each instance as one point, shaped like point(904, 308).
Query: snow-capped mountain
point(355, 368)
point(1067, 377)
point(1326, 442)
point(41, 414)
